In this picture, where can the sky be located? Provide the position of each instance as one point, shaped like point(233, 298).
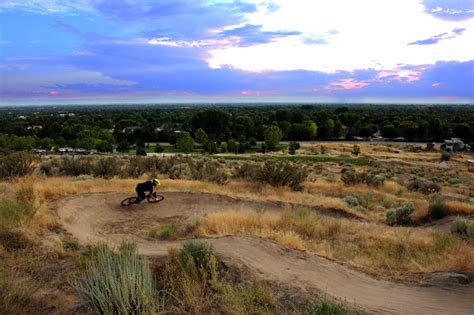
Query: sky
point(142, 51)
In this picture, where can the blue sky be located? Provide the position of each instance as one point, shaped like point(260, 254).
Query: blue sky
point(96, 51)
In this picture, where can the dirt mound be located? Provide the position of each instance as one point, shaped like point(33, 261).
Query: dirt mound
point(94, 217)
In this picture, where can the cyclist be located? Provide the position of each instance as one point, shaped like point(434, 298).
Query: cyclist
point(144, 187)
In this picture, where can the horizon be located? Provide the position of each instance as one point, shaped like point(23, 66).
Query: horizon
point(229, 51)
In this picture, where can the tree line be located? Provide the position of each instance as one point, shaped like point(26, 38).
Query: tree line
point(124, 127)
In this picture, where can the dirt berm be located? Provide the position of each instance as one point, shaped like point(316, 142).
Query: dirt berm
point(99, 217)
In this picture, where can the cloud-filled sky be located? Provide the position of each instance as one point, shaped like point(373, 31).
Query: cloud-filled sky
point(106, 51)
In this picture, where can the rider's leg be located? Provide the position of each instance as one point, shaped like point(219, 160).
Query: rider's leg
point(141, 195)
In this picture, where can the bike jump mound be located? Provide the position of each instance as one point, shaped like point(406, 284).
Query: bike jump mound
point(99, 217)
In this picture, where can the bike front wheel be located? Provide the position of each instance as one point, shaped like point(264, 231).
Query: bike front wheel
point(155, 198)
point(129, 201)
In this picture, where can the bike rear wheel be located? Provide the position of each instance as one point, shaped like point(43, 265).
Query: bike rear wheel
point(129, 201)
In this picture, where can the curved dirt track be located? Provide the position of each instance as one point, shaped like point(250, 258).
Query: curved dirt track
point(99, 217)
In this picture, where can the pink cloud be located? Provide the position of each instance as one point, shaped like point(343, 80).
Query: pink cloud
point(346, 84)
point(402, 75)
point(436, 84)
point(249, 92)
point(53, 92)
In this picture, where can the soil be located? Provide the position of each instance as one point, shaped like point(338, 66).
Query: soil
point(99, 217)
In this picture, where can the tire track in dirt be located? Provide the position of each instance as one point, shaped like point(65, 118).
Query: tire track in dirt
point(99, 217)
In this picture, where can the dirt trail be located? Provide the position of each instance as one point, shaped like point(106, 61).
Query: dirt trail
point(95, 217)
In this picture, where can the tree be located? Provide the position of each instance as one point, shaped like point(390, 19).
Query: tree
point(123, 146)
point(210, 147)
point(201, 136)
point(272, 135)
point(293, 147)
point(184, 142)
point(215, 122)
point(232, 145)
point(300, 132)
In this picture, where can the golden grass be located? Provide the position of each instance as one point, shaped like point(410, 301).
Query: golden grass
point(373, 248)
point(459, 207)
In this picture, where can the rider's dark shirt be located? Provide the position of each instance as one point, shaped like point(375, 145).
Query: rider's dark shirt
point(146, 186)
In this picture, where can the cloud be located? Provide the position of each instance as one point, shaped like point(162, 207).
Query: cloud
point(253, 34)
point(435, 39)
point(357, 39)
point(450, 10)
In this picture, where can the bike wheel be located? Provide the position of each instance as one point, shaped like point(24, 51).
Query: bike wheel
point(155, 198)
point(129, 201)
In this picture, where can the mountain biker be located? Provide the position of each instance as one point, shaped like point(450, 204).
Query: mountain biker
point(144, 187)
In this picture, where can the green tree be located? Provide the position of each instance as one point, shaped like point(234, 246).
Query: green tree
point(201, 136)
point(272, 137)
point(293, 147)
point(123, 146)
point(184, 142)
point(232, 145)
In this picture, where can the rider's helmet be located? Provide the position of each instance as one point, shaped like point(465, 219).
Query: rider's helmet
point(156, 182)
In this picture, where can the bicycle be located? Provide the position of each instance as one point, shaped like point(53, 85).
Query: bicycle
point(151, 198)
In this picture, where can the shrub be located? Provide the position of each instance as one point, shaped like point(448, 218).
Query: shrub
point(463, 227)
point(180, 171)
point(438, 209)
point(76, 166)
point(277, 173)
point(356, 149)
point(49, 167)
point(13, 239)
point(293, 146)
point(107, 167)
point(16, 164)
point(423, 186)
point(327, 308)
point(200, 253)
point(350, 177)
point(209, 170)
point(190, 277)
point(159, 148)
point(117, 282)
point(401, 216)
point(351, 201)
point(445, 156)
point(70, 242)
point(166, 232)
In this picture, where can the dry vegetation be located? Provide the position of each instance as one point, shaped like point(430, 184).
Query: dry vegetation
point(35, 253)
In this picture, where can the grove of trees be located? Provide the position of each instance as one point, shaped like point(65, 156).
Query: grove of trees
point(233, 128)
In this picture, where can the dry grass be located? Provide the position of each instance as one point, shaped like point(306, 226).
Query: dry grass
point(373, 248)
point(459, 207)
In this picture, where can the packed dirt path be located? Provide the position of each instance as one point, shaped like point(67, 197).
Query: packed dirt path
point(99, 217)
